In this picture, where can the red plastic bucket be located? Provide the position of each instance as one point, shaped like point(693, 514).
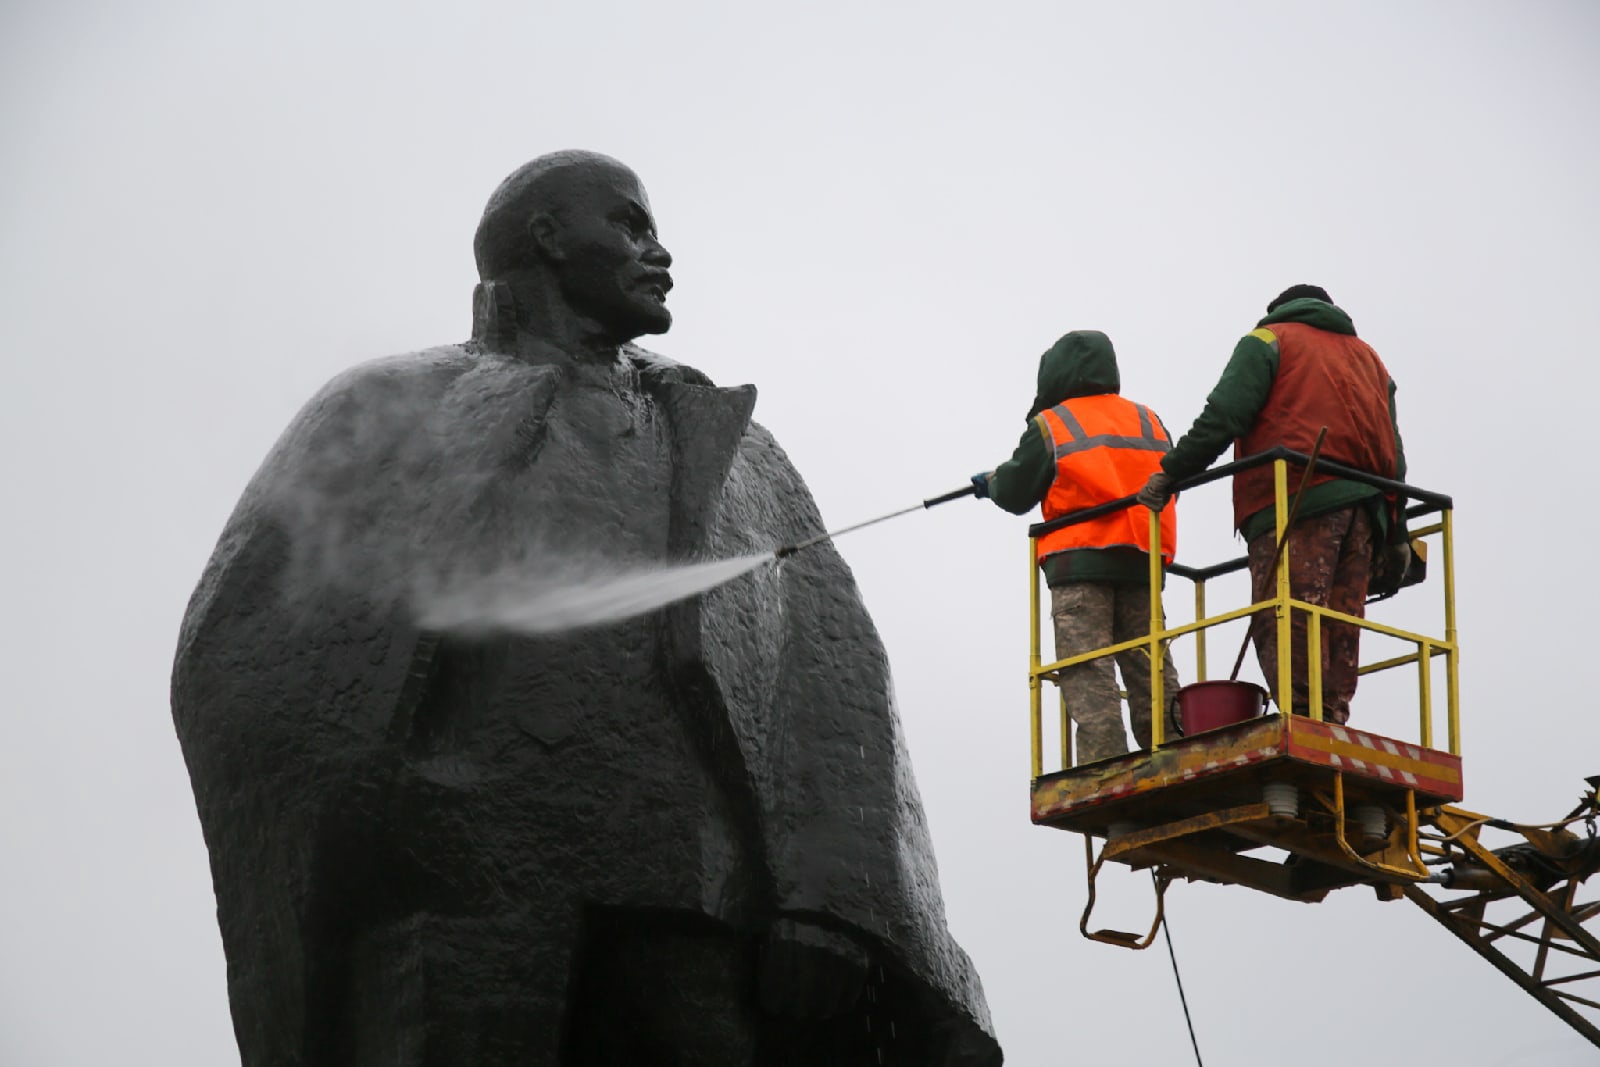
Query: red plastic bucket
point(1207, 705)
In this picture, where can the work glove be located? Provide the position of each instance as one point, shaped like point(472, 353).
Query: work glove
point(1157, 491)
point(1390, 562)
point(1397, 557)
point(980, 484)
point(1389, 569)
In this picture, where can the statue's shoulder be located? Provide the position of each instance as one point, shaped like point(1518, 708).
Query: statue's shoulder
point(761, 449)
point(394, 394)
point(431, 368)
point(363, 410)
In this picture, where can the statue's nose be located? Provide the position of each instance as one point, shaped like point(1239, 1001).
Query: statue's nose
point(656, 254)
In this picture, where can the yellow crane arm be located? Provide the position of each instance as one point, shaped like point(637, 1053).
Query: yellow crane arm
point(1518, 907)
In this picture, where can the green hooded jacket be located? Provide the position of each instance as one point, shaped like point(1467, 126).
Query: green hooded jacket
point(1238, 398)
point(1082, 363)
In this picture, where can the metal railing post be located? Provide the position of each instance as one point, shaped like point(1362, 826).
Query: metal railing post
point(1314, 663)
point(1280, 492)
point(1037, 712)
point(1453, 652)
point(1067, 759)
point(1425, 690)
point(1157, 624)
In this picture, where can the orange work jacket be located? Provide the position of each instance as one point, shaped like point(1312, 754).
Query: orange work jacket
point(1324, 379)
point(1105, 448)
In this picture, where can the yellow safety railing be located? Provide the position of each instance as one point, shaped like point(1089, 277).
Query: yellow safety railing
point(1281, 603)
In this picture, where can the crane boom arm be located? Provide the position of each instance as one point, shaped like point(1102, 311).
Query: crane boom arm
point(1532, 883)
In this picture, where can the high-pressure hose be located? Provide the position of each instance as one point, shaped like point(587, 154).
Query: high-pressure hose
point(789, 550)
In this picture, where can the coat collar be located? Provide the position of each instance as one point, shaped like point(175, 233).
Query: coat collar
point(707, 424)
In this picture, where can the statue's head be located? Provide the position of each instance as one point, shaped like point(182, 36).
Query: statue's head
point(582, 221)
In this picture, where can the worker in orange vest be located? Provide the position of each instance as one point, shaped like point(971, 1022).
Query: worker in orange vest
point(1087, 445)
point(1301, 369)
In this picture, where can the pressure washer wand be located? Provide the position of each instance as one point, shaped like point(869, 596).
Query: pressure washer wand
point(789, 550)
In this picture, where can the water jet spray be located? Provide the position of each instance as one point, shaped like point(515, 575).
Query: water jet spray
point(553, 598)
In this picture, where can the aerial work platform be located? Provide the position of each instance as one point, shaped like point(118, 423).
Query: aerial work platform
point(1196, 804)
point(1296, 807)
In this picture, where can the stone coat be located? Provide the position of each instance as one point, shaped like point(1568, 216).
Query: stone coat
point(302, 682)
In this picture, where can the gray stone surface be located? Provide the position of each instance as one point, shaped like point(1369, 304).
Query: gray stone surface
point(692, 837)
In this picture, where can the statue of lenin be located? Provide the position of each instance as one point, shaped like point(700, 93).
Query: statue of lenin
point(692, 837)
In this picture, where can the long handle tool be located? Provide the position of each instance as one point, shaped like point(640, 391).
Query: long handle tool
point(1294, 509)
point(789, 550)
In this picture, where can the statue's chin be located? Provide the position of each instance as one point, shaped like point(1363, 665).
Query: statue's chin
point(622, 317)
point(656, 320)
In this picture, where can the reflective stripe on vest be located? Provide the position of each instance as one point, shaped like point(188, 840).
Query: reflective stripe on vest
point(1105, 448)
point(1078, 440)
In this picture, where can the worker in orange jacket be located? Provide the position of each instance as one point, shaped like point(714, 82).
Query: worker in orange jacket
point(1086, 445)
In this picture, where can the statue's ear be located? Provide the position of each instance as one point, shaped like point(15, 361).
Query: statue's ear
point(544, 232)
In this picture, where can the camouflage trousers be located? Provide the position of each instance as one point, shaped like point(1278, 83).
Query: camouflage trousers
point(1330, 560)
point(1090, 615)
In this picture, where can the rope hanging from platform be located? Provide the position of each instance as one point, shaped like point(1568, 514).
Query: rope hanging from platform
point(1166, 928)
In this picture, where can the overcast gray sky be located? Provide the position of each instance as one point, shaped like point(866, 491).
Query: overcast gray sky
point(881, 215)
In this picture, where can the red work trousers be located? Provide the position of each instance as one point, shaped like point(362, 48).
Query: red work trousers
point(1330, 561)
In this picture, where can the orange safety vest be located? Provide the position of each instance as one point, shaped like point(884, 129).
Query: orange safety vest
point(1324, 379)
point(1105, 448)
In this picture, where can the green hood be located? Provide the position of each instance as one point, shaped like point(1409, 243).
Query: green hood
point(1313, 312)
point(1082, 363)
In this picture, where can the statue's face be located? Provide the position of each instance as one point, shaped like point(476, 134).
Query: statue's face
point(612, 267)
